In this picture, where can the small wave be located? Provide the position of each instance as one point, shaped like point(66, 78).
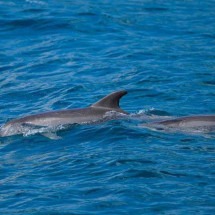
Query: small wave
point(156, 9)
point(36, 2)
point(150, 115)
point(114, 114)
point(32, 131)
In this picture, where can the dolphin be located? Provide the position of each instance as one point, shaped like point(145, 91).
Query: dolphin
point(94, 113)
point(202, 123)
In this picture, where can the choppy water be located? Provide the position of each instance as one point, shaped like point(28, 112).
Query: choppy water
point(68, 54)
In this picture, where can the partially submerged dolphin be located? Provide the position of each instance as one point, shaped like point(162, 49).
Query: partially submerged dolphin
point(201, 123)
point(96, 112)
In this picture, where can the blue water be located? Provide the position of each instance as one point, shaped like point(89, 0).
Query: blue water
point(68, 54)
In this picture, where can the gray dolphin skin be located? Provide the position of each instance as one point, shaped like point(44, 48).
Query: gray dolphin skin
point(201, 122)
point(93, 113)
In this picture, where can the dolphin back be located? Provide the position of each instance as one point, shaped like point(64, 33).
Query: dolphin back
point(111, 101)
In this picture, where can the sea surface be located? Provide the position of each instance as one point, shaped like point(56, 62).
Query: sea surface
point(70, 53)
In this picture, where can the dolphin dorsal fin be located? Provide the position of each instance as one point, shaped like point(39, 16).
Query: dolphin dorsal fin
point(111, 101)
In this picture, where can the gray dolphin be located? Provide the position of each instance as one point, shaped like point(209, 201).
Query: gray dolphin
point(94, 113)
point(204, 123)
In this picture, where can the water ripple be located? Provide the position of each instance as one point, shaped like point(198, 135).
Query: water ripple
point(68, 54)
